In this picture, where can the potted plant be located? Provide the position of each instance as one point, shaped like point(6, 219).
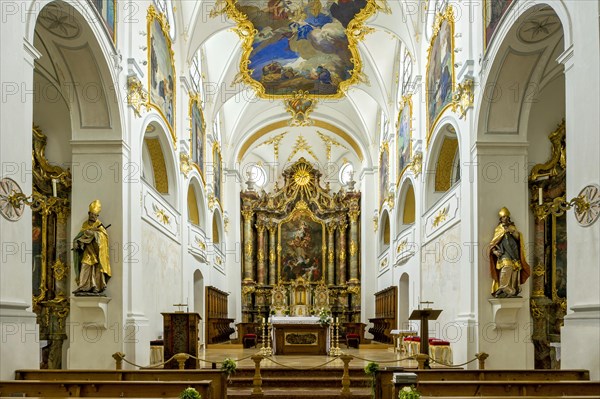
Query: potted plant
point(228, 367)
point(190, 393)
point(371, 370)
point(409, 392)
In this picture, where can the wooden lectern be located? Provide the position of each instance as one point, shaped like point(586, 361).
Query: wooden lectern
point(181, 336)
point(424, 315)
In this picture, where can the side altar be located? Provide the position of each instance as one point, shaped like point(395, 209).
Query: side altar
point(299, 335)
point(301, 249)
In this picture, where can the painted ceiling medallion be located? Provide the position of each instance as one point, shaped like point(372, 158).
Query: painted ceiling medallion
point(300, 45)
point(300, 107)
point(539, 28)
point(59, 22)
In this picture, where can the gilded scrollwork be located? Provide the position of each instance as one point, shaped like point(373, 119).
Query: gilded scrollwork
point(463, 99)
point(137, 97)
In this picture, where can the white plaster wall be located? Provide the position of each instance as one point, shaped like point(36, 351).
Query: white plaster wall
point(162, 284)
point(19, 346)
point(440, 278)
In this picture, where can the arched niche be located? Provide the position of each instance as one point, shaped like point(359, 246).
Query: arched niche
point(444, 162)
point(196, 204)
point(158, 162)
point(406, 214)
point(218, 236)
point(384, 231)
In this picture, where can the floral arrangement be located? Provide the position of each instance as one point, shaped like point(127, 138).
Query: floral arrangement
point(324, 317)
point(229, 366)
point(409, 393)
point(286, 312)
point(371, 369)
point(190, 393)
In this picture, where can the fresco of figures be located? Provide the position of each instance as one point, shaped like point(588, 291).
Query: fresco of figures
point(384, 173)
point(440, 73)
point(198, 134)
point(494, 10)
point(301, 241)
point(217, 170)
point(161, 68)
point(300, 45)
point(403, 136)
point(107, 10)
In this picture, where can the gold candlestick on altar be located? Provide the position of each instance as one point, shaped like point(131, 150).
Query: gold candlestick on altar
point(266, 333)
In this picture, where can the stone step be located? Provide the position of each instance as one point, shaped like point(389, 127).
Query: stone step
point(299, 393)
point(322, 382)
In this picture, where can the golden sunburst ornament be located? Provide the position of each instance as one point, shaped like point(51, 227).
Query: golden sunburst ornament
point(302, 177)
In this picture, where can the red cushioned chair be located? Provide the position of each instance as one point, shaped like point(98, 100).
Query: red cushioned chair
point(352, 340)
point(249, 340)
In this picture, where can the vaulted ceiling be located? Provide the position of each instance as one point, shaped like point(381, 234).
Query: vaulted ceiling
point(247, 121)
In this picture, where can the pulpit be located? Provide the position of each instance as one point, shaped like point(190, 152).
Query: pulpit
point(181, 336)
point(424, 315)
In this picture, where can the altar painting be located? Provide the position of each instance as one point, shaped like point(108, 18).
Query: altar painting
point(161, 68)
point(300, 45)
point(440, 69)
point(301, 240)
point(403, 136)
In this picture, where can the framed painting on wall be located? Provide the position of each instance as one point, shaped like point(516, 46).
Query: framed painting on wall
point(217, 171)
point(108, 12)
point(404, 136)
point(440, 79)
point(384, 172)
point(493, 11)
point(161, 68)
point(197, 134)
point(302, 243)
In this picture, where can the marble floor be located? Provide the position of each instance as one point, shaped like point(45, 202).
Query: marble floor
point(384, 356)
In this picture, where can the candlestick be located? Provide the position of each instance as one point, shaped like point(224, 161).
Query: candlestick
point(540, 196)
point(54, 187)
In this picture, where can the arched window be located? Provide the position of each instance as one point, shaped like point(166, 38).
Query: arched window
point(196, 74)
point(346, 173)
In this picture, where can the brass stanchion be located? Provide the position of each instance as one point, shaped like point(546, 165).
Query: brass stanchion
point(257, 380)
point(346, 376)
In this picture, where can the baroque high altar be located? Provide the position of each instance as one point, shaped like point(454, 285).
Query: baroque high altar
point(301, 249)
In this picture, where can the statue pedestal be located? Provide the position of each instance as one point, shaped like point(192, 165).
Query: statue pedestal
point(505, 312)
point(94, 310)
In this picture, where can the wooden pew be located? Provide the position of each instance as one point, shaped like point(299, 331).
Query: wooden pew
point(216, 377)
point(79, 388)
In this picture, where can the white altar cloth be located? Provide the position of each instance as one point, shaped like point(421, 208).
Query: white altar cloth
point(295, 320)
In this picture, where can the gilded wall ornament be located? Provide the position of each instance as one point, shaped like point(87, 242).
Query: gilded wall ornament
point(185, 164)
point(302, 145)
point(10, 208)
point(440, 217)
point(463, 98)
point(161, 215)
point(329, 143)
point(416, 165)
point(137, 97)
point(300, 107)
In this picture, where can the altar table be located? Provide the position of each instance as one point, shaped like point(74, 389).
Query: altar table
point(299, 336)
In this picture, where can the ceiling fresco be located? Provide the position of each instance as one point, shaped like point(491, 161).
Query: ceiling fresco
point(292, 46)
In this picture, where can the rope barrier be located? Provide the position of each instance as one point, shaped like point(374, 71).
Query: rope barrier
point(301, 368)
point(383, 361)
point(157, 365)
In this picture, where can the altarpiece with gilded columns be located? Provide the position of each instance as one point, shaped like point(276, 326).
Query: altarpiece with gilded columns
point(300, 249)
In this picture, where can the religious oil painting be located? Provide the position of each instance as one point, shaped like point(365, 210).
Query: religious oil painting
point(493, 11)
point(384, 172)
point(161, 67)
point(301, 240)
point(300, 44)
point(218, 172)
point(198, 134)
point(403, 136)
point(107, 10)
point(440, 69)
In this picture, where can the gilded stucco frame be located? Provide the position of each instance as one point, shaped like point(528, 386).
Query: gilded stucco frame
point(406, 101)
point(355, 32)
point(195, 101)
point(301, 209)
point(153, 15)
point(440, 18)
